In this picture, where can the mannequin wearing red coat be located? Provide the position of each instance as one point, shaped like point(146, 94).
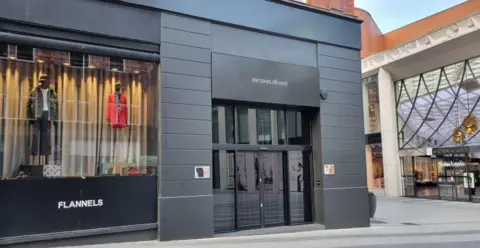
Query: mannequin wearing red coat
point(117, 110)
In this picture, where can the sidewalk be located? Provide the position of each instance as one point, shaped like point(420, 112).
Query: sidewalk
point(398, 221)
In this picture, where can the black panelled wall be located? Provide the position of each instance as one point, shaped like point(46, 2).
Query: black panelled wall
point(186, 204)
point(338, 138)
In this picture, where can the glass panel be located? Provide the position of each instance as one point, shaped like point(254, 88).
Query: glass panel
point(68, 115)
point(374, 160)
point(297, 185)
point(215, 128)
point(445, 97)
point(408, 176)
point(223, 130)
point(298, 129)
point(264, 126)
point(273, 190)
point(223, 171)
point(426, 177)
point(373, 106)
point(243, 136)
point(281, 129)
point(248, 187)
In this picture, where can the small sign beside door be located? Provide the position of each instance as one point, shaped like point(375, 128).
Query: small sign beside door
point(329, 169)
point(202, 172)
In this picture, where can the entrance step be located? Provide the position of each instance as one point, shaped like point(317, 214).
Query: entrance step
point(274, 230)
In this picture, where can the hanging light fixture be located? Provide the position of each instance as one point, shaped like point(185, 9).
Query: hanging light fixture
point(458, 136)
point(470, 124)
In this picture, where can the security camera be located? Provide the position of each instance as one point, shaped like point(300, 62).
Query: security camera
point(323, 95)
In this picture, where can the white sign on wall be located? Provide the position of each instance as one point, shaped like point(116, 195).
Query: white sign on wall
point(202, 172)
point(329, 169)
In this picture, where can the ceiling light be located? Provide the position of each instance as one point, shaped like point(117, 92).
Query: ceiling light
point(136, 72)
point(114, 69)
point(40, 61)
point(11, 57)
point(66, 64)
point(91, 67)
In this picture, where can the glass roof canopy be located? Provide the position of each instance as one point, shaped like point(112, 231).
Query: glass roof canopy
point(431, 105)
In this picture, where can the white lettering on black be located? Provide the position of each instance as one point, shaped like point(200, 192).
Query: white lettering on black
point(80, 204)
point(270, 82)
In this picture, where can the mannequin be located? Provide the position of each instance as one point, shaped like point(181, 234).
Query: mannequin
point(117, 111)
point(41, 111)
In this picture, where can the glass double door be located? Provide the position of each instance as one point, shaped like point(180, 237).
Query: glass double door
point(260, 196)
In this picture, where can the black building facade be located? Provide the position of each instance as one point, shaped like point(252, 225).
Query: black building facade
point(142, 119)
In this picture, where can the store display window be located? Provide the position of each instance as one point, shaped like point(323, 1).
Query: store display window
point(66, 114)
point(375, 176)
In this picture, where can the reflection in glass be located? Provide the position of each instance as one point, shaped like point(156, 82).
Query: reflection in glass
point(281, 123)
point(242, 127)
point(223, 171)
point(69, 115)
point(374, 160)
point(248, 187)
point(223, 130)
point(371, 84)
point(264, 126)
point(298, 128)
point(271, 165)
point(297, 186)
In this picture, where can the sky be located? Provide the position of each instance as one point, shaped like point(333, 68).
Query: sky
point(392, 14)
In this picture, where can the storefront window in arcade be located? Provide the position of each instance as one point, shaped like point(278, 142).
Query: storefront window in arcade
point(66, 114)
point(373, 120)
point(440, 107)
point(375, 177)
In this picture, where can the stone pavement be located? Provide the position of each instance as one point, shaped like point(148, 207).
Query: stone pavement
point(399, 223)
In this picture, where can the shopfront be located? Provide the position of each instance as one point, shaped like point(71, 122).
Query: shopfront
point(141, 120)
point(262, 142)
point(77, 140)
point(437, 132)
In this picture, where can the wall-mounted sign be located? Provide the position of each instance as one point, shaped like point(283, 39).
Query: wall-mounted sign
point(202, 172)
point(256, 80)
point(329, 169)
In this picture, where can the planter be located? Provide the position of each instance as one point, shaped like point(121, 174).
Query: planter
point(372, 200)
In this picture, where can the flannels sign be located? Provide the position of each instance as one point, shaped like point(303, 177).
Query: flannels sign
point(80, 204)
point(271, 82)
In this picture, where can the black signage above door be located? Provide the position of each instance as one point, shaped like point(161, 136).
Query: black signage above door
point(254, 80)
point(40, 206)
point(451, 150)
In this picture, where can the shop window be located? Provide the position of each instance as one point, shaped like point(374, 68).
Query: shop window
point(243, 125)
point(375, 174)
point(298, 128)
point(24, 53)
point(281, 127)
point(3, 50)
point(67, 114)
point(223, 130)
point(264, 126)
point(373, 106)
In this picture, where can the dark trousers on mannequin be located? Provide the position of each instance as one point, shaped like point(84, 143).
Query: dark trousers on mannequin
point(41, 141)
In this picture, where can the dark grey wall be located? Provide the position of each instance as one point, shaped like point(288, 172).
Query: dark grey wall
point(186, 204)
point(249, 44)
point(341, 200)
point(271, 16)
point(92, 16)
